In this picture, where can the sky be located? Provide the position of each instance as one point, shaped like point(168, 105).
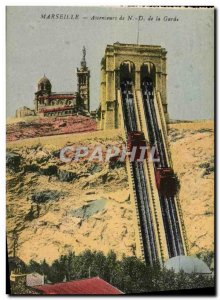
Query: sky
point(38, 46)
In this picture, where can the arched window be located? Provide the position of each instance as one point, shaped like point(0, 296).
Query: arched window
point(148, 72)
point(127, 71)
point(68, 102)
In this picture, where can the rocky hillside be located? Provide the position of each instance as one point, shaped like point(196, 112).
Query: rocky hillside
point(18, 129)
point(192, 148)
point(54, 207)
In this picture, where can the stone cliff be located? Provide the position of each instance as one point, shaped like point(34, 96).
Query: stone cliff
point(54, 207)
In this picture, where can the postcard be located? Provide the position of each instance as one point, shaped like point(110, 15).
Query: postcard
point(110, 150)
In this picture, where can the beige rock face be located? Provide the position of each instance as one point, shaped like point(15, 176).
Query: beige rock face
point(92, 209)
point(192, 148)
point(54, 207)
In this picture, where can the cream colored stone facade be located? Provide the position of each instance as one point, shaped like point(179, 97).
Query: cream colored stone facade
point(115, 55)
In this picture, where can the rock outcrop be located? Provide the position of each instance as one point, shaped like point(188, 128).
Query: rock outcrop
point(54, 207)
point(192, 149)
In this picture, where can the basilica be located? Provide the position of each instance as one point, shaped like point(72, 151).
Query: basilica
point(48, 103)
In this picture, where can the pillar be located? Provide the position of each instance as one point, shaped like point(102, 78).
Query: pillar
point(137, 79)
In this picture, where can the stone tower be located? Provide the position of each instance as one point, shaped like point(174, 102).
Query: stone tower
point(142, 60)
point(83, 76)
point(44, 89)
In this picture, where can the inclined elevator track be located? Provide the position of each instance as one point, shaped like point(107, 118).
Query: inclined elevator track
point(147, 231)
point(167, 204)
point(168, 207)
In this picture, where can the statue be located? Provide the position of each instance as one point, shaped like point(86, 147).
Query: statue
point(83, 62)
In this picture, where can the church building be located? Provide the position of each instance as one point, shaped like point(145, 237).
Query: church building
point(48, 103)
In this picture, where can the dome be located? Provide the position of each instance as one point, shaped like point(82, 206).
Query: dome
point(44, 80)
point(187, 264)
point(44, 84)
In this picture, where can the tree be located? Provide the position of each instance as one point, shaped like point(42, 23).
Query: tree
point(56, 273)
point(34, 266)
point(67, 265)
point(130, 274)
point(111, 267)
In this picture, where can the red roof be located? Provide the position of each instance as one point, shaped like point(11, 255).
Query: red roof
point(90, 286)
point(52, 109)
point(58, 96)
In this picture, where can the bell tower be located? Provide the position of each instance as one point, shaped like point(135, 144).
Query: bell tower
point(83, 76)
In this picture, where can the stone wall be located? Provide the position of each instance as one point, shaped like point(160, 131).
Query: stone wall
point(115, 55)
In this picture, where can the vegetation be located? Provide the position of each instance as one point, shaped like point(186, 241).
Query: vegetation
point(208, 258)
point(129, 274)
point(19, 288)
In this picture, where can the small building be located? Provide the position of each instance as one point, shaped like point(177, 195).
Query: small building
point(89, 286)
point(33, 279)
point(24, 112)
